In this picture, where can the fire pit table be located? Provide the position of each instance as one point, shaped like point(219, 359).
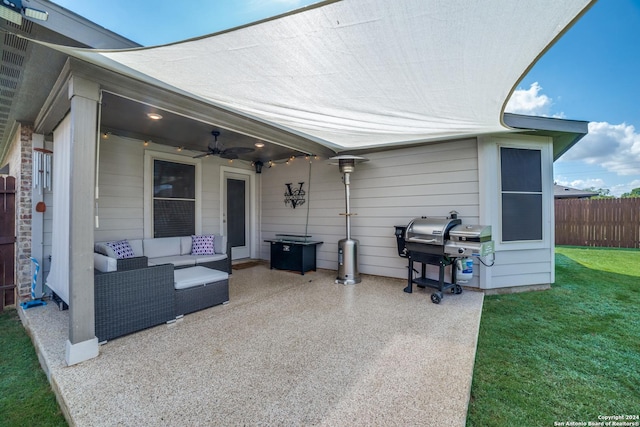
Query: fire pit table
point(293, 252)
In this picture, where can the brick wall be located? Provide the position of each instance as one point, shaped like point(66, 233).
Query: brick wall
point(23, 212)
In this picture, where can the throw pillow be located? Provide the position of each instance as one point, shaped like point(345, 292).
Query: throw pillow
point(202, 245)
point(121, 248)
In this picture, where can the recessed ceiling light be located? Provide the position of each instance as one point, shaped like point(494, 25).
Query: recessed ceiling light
point(154, 116)
point(259, 144)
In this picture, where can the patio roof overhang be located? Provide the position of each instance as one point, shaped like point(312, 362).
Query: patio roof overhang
point(352, 75)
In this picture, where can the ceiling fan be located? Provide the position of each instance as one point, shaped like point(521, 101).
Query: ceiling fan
point(216, 149)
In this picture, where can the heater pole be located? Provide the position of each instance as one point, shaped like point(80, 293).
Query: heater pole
point(347, 207)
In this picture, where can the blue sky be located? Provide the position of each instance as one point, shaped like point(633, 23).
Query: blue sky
point(592, 73)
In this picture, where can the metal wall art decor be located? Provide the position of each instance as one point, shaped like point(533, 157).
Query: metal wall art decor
point(294, 197)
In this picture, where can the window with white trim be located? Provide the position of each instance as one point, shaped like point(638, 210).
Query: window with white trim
point(174, 198)
point(521, 193)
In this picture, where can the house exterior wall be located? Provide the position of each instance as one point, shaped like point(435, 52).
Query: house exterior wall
point(517, 264)
point(30, 236)
point(392, 188)
point(396, 186)
point(121, 184)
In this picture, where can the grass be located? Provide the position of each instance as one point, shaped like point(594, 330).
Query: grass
point(571, 353)
point(26, 398)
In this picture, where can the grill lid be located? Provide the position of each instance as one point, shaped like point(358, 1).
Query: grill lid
point(471, 233)
point(429, 230)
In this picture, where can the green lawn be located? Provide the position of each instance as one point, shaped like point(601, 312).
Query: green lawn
point(569, 354)
point(26, 399)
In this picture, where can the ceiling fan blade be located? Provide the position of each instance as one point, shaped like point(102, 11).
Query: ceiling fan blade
point(230, 156)
point(239, 150)
point(207, 154)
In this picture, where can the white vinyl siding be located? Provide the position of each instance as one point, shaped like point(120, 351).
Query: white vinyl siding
point(390, 189)
point(121, 189)
point(522, 267)
point(518, 263)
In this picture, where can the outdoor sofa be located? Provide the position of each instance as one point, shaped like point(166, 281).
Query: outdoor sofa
point(136, 293)
point(178, 251)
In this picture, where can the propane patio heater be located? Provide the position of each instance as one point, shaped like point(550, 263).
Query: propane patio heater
point(348, 247)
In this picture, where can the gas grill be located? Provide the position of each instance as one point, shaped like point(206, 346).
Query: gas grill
point(442, 241)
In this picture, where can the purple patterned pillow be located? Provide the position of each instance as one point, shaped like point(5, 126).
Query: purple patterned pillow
point(202, 245)
point(121, 248)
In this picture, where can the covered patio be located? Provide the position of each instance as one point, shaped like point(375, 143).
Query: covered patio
point(286, 350)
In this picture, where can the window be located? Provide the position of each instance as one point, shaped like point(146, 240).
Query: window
point(174, 198)
point(521, 191)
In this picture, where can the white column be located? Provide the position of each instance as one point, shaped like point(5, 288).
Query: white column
point(82, 343)
point(488, 197)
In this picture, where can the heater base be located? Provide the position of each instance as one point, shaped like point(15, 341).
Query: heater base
point(348, 262)
point(348, 281)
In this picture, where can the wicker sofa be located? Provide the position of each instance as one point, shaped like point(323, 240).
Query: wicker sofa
point(166, 250)
point(133, 299)
point(138, 296)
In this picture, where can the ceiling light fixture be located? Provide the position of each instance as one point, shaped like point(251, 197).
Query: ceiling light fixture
point(259, 144)
point(12, 10)
point(154, 116)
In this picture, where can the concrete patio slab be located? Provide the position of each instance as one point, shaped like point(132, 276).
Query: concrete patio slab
point(287, 350)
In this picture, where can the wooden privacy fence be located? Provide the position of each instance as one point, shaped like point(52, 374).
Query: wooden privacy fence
point(613, 223)
point(7, 241)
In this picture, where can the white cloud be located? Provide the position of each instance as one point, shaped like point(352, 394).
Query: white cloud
point(531, 102)
point(613, 147)
point(618, 190)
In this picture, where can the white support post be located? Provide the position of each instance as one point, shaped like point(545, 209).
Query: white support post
point(82, 344)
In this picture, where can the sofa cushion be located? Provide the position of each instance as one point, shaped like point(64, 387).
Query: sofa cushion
point(161, 247)
point(195, 276)
point(200, 259)
point(176, 260)
point(220, 244)
point(136, 245)
point(202, 245)
point(104, 263)
point(118, 249)
point(185, 245)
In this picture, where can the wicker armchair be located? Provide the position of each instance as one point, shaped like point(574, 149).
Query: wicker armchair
point(131, 300)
